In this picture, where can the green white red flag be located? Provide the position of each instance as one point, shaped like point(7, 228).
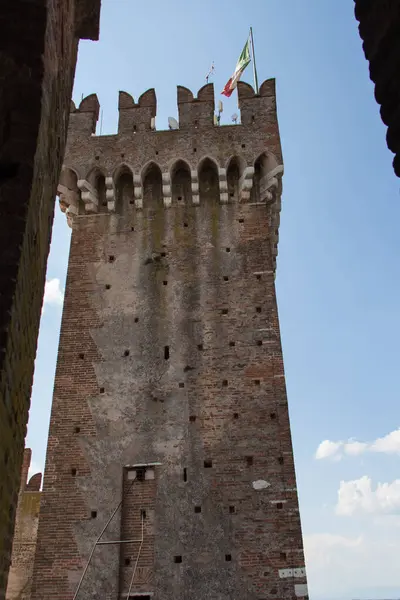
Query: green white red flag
point(242, 63)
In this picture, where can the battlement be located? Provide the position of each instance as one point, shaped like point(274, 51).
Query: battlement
point(197, 161)
point(195, 112)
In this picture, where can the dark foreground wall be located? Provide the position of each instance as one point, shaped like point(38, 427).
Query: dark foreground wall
point(380, 31)
point(38, 49)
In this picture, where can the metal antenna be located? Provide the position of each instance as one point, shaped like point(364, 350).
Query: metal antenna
point(210, 72)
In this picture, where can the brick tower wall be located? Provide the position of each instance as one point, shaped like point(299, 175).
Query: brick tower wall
point(38, 51)
point(25, 534)
point(170, 419)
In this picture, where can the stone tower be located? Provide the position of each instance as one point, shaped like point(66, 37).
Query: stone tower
point(169, 471)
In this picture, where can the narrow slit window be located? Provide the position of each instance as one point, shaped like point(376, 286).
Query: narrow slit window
point(166, 352)
point(185, 474)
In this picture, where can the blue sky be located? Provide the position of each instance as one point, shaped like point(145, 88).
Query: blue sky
point(338, 268)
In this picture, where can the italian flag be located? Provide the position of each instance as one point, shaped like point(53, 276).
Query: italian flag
point(242, 63)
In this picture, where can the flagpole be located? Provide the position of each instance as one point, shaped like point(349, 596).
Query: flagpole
point(254, 61)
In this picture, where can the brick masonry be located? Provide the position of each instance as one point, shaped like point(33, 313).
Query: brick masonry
point(38, 49)
point(25, 534)
point(170, 357)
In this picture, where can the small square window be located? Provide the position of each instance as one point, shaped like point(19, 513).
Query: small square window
point(141, 473)
point(279, 505)
point(228, 557)
point(208, 464)
point(177, 559)
point(197, 509)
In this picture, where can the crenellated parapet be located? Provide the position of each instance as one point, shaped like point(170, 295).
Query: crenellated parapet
point(194, 163)
point(84, 118)
point(134, 117)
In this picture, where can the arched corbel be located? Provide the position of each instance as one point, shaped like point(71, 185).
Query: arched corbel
point(245, 184)
point(166, 189)
point(223, 186)
point(195, 187)
point(138, 190)
point(89, 196)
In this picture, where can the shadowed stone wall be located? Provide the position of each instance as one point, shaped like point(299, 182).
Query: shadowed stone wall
point(38, 49)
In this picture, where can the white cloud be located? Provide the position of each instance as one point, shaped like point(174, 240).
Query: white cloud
point(340, 566)
point(358, 497)
point(389, 444)
point(53, 293)
point(328, 449)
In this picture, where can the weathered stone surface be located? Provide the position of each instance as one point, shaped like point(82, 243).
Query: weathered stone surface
point(170, 357)
point(38, 50)
point(25, 534)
